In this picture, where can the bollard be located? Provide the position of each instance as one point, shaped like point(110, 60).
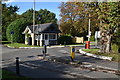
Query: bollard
point(71, 59)
point(72, 55)
point(45, 49)
point(17, 66)
point(44, 54)
point(64, 43)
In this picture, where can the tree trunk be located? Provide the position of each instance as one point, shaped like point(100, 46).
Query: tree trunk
point(105, 42)
point(108, 46)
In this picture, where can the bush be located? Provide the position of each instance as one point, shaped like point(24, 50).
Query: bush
point(115, 48)
point(116, 40)
point(17, 26)
point(65, 39)
point(92, 38)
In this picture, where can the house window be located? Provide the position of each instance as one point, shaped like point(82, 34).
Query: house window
point(52, 36)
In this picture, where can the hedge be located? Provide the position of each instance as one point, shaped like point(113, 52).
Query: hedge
point(65, 39)
point(17, 26)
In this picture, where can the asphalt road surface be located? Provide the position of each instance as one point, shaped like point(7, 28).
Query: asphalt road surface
point(26, 54)
point(9, 55)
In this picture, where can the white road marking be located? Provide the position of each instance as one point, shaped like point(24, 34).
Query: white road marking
point(63, 51)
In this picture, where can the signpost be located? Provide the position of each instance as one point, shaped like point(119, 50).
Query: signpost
point(12, 32)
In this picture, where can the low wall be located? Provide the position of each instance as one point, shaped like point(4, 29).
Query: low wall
point(78, 40)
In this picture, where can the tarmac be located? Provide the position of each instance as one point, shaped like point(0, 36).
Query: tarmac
point(33, 68)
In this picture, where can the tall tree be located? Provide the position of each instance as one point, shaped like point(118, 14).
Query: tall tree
point(8, 15)
point(109, 17)
point(41, 16)
point(75, 15)
point(70, 16)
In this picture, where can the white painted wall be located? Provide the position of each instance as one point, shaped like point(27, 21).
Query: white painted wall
point(26, 42)
point(33, 38)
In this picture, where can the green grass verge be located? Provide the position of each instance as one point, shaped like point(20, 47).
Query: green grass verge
point(115, 56)
point(6, 74)
point(5, 42)
point(17, 45)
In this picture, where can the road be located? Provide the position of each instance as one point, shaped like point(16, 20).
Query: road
point(25, 54)
point(9, 54)
point(31, 55)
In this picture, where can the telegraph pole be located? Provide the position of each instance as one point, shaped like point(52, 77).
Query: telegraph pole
point(89, 32)
point(33, 40)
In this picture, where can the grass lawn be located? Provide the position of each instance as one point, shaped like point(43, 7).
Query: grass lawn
point(6, 74)
point(115, 56)
point(17, 45)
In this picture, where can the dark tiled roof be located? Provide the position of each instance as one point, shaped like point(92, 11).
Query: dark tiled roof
point(44, 28)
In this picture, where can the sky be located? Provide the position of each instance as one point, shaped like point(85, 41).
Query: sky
point(24, 6)
point(51, 5)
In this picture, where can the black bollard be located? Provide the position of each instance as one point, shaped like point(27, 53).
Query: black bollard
point(64, 43)
point(44, 54)
point(45, 49)
point(17, 66)
point(72, 59)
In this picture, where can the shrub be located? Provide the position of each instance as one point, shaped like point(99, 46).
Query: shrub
point(17, 26)
point(116, 40)
point(92, 38)
point(114, 47)
point(65, 39)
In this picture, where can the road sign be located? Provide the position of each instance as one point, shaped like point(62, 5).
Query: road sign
point(73, 49)
point(97, 34)
point(11, 32)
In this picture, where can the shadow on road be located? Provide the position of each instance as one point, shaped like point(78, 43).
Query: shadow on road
point(43, 69)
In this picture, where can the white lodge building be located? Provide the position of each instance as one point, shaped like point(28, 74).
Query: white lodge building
point(43, 34)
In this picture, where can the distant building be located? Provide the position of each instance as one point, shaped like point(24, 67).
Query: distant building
point(43, 34)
